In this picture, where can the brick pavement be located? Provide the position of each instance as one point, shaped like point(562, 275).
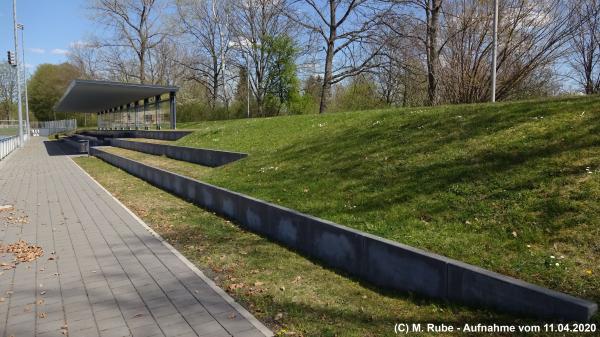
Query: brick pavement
point(110, 276)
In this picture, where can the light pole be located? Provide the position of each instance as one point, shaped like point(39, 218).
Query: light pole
point(28, 126)
point(247, 86)
point(20, 108)
point(248, 44)
point(222, 52)
point(495, 50)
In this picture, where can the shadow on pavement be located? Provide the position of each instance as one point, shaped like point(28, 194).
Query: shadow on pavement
point(58, 148)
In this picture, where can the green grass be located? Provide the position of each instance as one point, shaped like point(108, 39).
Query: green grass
point(184, 168)
point(513, 187)
point(148, 140)
point(292, 295)
point(9, 131)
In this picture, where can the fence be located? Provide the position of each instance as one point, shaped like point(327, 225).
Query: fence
point(7, 145)
point(52, 127)
point(11, 127)
point(9, 123)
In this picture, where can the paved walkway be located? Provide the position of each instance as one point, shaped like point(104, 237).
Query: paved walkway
point(109, 275)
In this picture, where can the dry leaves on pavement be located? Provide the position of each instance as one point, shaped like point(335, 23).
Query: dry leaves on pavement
point(22, 251)
point(6, 208)
point(10, 215)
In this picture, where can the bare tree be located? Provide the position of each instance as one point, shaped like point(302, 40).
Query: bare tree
point(402, 72)
point(531, 37)
point(427, 20)
point(164, 63)
point(432, 22)
point(346, 29)
point(84, 56)
point(136, 30)
point(205, 24)
point(584, 44)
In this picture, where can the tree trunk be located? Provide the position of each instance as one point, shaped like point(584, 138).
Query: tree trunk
point(215, 89)
point(328, 74)
point(326, 92)
point(432, 14)
point(142, 66)
point(405, 94)
point(259, 105)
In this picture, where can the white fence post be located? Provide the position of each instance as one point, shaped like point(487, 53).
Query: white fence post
point(7, 145)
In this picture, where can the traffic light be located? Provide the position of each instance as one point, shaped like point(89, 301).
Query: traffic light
point(11, 59)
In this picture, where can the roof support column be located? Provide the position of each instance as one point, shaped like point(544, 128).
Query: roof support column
point(157, 106)
point(136, 109)
point(114, 117)
point(127, 110)
point(146, 102)
point(173, 109)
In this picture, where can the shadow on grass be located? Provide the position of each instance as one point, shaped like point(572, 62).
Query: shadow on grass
point(288, 262)
point(404, 177)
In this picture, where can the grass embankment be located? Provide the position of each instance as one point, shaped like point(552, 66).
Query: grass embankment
point(513, 187)
point(184, 168)
point(148, 140)
point(292, 295)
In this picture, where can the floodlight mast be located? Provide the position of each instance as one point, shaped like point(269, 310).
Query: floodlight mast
point(240, 44)
point(495, 50)
point(24, 65)
point(20, 108)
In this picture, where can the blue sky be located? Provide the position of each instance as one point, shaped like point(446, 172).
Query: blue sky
point(50, 28)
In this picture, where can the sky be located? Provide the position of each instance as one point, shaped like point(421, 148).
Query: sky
point(51, 26)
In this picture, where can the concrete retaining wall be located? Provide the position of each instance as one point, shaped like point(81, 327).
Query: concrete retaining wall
point(93, 140)
point(162, 135)
point(206, 157)
point(382, 262)
point(80, 145)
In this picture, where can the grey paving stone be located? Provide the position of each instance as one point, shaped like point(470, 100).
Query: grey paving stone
point(121, 331)
point(109, 276)
point(148, 330)
point(211, 328)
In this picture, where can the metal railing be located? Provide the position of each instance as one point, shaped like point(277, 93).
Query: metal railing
point(39, 128)
point(52, 127)
point(7, 145)
point(9, 123)
point(56, 126)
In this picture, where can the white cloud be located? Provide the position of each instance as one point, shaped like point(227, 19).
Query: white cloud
point(58, 51)
point(80, 44)
point(37, 50)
